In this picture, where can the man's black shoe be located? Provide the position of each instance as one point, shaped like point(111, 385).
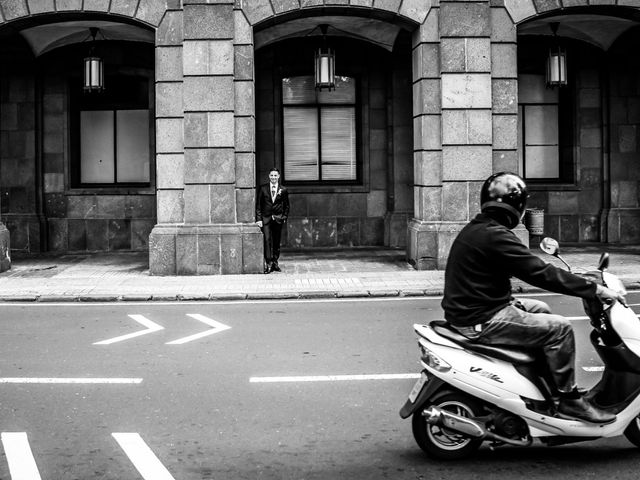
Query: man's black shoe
point(275, 267)
point(583, 410)
point(267, 269)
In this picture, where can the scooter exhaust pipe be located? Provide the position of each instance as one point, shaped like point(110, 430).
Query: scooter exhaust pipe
point(466, 426)
point(457, 423)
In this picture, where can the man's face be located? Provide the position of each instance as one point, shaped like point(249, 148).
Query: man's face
point(274, 177)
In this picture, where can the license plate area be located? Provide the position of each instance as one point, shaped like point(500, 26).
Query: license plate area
point(417, 388)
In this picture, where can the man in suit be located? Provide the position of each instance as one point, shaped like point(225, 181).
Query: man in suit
point(272, 210)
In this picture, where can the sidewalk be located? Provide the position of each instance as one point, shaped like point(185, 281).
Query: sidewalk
point(108, 277)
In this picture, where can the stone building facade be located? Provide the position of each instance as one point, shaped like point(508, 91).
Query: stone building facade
point(203, 97)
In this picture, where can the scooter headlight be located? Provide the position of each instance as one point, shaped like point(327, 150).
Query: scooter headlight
point(433, 361)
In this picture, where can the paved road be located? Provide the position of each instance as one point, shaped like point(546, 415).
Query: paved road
point(182, 396)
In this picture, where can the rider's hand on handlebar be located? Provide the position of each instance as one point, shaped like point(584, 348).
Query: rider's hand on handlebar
point(608, 296)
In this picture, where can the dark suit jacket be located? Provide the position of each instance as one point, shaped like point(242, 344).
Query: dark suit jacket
point(266, 208)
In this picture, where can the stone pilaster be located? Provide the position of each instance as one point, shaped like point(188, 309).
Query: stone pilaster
point(453, 148)
point(427, 145)
point(504, 85)
point(504, 96)
point(169, 143)
point(205, 211)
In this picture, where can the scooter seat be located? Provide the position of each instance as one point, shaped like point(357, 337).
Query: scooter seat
point(443, 329)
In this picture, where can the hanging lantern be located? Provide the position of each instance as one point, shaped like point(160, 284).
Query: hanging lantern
point(556, 63)
point(556, 67)
point(325, 70)
point(93, 74)
point(93, 68)
point(325, 65)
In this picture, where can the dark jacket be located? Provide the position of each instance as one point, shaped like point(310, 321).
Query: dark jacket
point(266, 209)
point(482, 260)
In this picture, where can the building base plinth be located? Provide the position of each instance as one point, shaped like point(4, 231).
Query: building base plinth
point(211, 249)
point(430, 242)
point(5, 244)
point(622, 225)
point(395, 229)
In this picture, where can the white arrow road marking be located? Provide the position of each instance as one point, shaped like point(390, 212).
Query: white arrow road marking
point(142, 457)
point(151, 327)
point(215, 328)
point(22, 465)
point(68, 380)
point(334, 378)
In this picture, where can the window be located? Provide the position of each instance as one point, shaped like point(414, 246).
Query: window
point(112, 131)
point(541, 130)
point(319, 130)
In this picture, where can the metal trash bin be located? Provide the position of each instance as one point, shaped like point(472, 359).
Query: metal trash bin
point(534, 220)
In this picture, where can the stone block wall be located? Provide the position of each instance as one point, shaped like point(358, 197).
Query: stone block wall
point(93, 222)
point(18, 194)
point(624, 168)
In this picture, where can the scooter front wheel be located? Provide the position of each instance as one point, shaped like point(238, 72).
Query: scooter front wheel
point(440, 442)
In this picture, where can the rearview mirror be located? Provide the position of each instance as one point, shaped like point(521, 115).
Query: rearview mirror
point(550, 245)
point(603, 263)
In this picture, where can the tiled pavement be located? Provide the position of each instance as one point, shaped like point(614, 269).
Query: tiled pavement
point(319, 274)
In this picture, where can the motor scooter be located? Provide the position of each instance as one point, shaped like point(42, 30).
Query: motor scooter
point(470, 393)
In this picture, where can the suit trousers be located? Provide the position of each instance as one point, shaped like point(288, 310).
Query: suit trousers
point(529, 323)
point(272, 232)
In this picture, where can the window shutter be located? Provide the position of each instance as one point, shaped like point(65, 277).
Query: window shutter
point(301, 144)
point(338, 126)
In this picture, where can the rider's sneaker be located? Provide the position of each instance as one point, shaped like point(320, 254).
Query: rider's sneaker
point(583, 410)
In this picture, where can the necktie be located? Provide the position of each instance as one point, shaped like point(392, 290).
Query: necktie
point(273, 193)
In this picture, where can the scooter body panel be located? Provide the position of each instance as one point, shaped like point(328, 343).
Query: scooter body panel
point(627, 325)
point(499, 383)
point(493, 377)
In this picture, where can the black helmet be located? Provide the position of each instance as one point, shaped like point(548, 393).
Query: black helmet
point(505, 193)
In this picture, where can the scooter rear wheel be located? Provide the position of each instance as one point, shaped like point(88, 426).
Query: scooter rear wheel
point(632, 432)
point(442, 443)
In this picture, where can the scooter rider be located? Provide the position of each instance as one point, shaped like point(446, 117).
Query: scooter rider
point(477, 293)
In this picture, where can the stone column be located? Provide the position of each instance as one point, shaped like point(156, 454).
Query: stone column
point(215, 234)
point(169, 145)
point(465, 30)
point(422, 234)
point(453, 150)
point(504, 97)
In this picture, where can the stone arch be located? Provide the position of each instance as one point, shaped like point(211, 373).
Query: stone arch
point(259, 12)
point(525, 10)
point(371, 219)
point(150, 12)
point(41, 83)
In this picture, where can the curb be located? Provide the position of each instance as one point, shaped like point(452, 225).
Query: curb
point(518, 288)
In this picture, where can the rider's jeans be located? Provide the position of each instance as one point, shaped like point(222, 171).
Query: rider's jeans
point(529, 323)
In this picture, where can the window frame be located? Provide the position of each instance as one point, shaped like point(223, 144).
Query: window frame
point(80, 101)
point(357, 106)
point(533, 61)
